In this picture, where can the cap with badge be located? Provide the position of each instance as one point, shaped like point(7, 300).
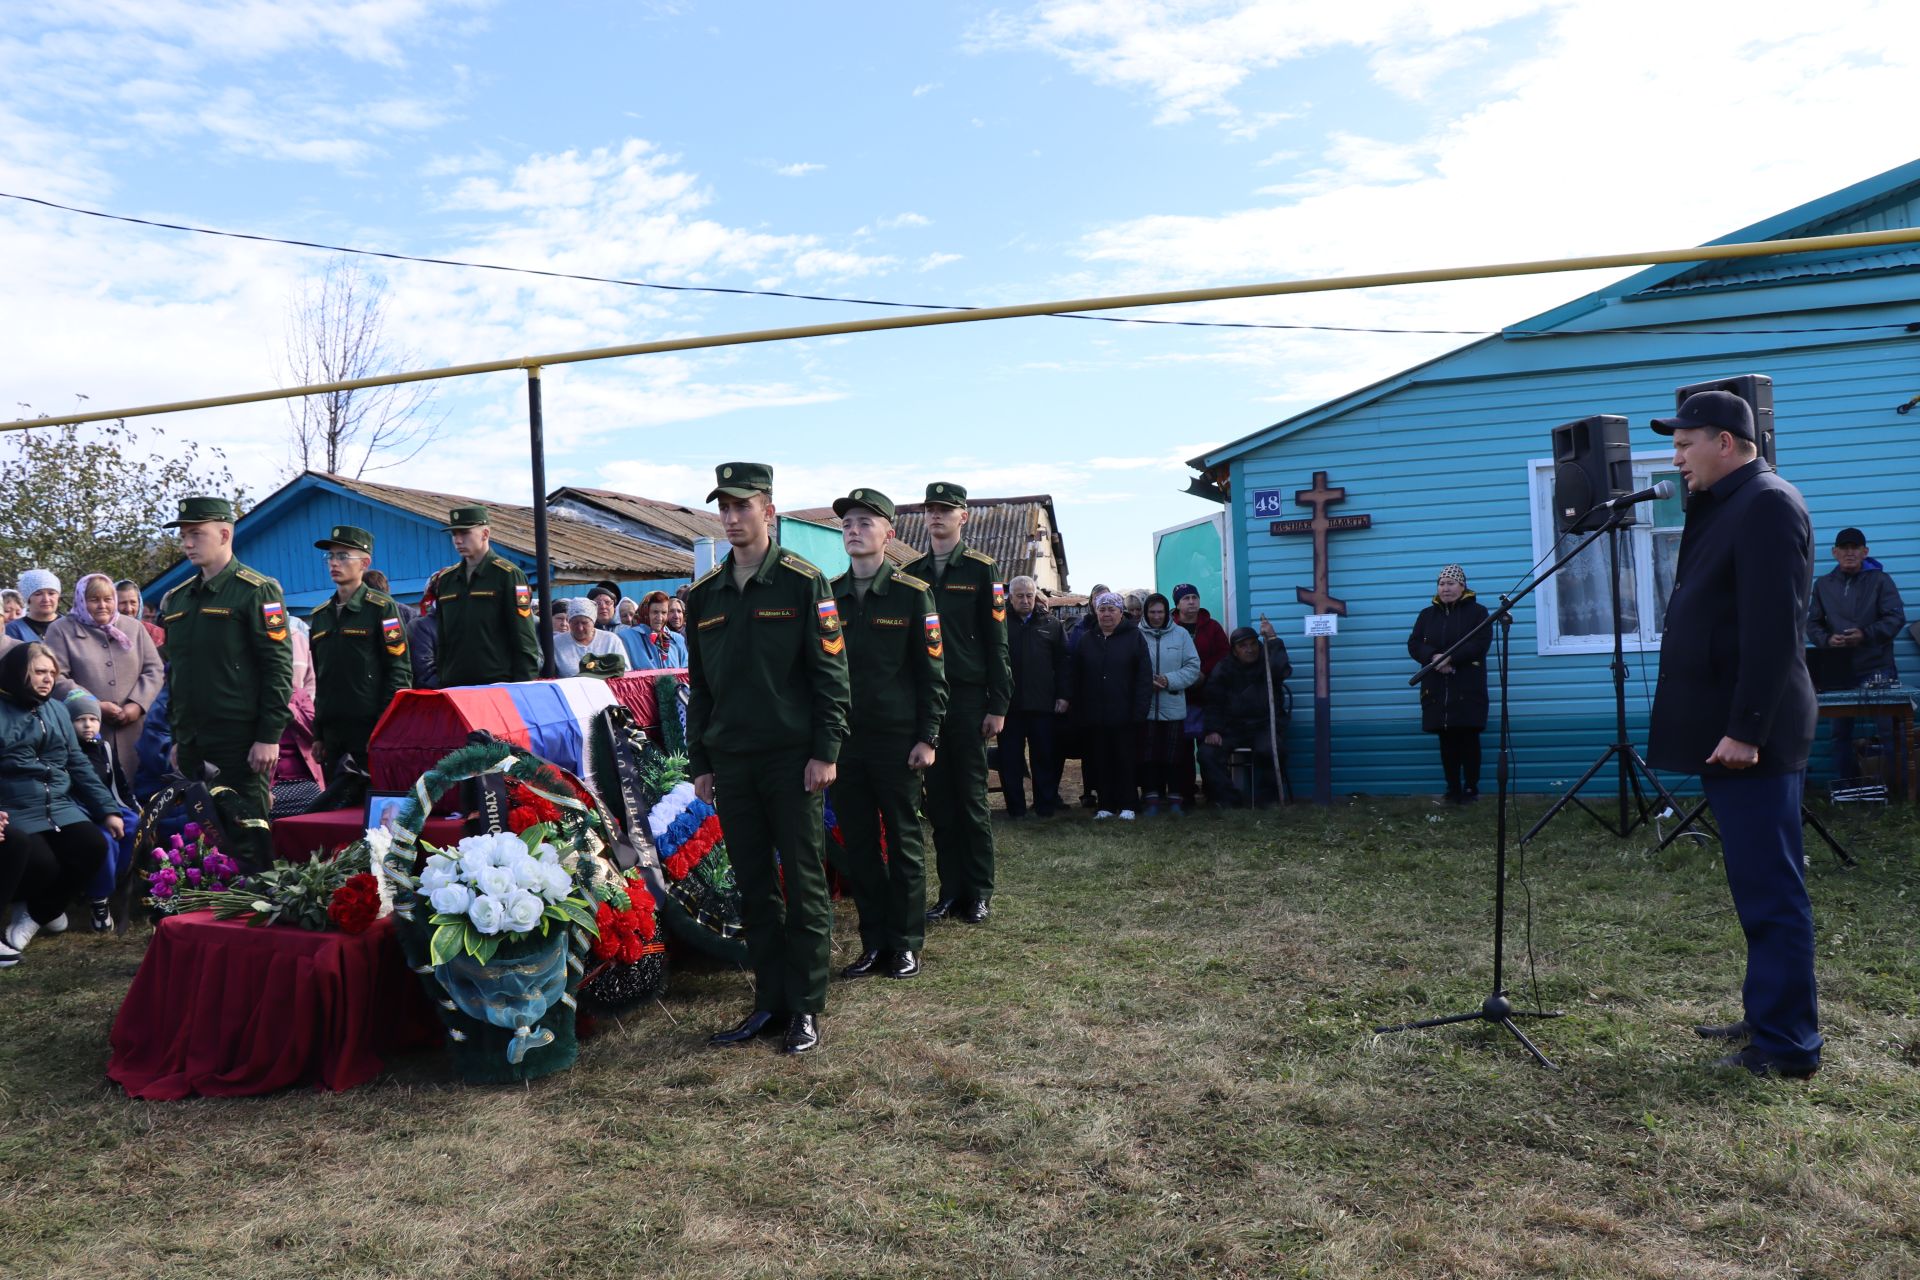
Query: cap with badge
point(202, 511)
point(1710, 411)
point(944, 493)
point(468, 517)
point(741, 480)
point(872, 499)
point(348, 537)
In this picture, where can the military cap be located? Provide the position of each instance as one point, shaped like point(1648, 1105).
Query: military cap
point(467, 517)
point(944, 493)
point(1711, 411)
point(346, 535)
point(872, 499)
point(741, 479)
point(202, 511)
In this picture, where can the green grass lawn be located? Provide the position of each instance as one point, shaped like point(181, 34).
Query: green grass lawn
point(1157, 1059)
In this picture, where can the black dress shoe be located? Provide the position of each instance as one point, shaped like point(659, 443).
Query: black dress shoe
point(1752, 1061)
point(865, 965)
point(803, 1033)
point(905, 965)
point(1740, 1030)
point(758, 1023)
point(975, 912)
point(941, 909)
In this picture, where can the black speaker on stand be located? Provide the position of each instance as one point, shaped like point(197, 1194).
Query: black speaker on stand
point(1592, 465)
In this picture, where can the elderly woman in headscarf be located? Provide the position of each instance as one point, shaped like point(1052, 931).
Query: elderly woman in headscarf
point(40, 588)
point(1453, 696)
point(55, 804)
point(583, 637)
point(112, 657)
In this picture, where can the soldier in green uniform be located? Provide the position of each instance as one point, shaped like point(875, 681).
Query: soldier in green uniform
point(972, 601)
point(485, 611)
point(360, 657)
point(894, 655)
point(230, 670)
point(767, 675)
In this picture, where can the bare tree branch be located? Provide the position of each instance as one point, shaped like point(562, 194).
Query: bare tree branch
point(336, 332)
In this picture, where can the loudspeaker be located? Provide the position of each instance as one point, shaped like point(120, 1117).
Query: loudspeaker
point(1592, 464)
point(1757, 390)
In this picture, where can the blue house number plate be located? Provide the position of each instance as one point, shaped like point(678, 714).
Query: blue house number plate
point(1266, 503)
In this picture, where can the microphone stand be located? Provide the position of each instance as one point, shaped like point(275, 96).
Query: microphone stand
point(1497, 1008)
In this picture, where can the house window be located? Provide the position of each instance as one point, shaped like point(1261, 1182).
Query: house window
point(1575, 607)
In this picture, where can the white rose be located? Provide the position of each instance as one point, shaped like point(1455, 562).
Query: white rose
point(494, 881)
point(506, 847)
point(474, 860)
point(555, 883)
point(523, 910)
point(487, 914)
point(439, 873)
point(528, 874)
point(451, 899)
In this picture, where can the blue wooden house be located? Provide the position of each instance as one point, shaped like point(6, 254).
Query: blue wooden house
point(1450, 459)
point(410, 542)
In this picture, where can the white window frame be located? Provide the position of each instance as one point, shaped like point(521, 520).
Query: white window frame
point(1547, 638)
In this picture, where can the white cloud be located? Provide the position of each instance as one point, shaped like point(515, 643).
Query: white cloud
point(922, 90)
point(936, 260)
point(798, 169)
point(905, 220)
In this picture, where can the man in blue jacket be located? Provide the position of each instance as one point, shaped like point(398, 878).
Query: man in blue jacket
point(1735, 705)
point(1857, 608)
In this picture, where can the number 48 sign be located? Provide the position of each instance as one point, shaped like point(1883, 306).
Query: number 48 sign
point(1266, 503)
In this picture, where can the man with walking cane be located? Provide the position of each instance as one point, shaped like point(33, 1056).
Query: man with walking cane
point(1244, 695)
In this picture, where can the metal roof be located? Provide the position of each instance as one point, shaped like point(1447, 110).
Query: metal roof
point(685, 524)
point(578, 551)
point(1897, 208)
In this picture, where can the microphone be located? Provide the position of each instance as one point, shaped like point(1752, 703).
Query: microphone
point(1660, 492)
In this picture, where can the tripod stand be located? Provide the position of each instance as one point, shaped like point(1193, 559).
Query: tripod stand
point(1632, 766)
point(1497, 1008)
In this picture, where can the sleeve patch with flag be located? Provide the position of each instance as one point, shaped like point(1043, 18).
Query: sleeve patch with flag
point(999, 602)
point(394, 634)
point(829, 613)
point(934, 646)
point(523, 599)
point(274, 614)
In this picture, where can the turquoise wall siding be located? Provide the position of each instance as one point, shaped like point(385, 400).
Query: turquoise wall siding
point(1441, 464)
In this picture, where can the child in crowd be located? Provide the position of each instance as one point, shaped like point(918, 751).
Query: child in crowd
point(84, 709)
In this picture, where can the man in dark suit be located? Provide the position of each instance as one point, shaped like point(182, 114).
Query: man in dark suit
point(1735, 706)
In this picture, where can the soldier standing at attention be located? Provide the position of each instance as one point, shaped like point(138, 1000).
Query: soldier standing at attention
point(894, 656)
point(973, 619)
point(230, 673)
point(360, 657)
point(485, 632)
point(767, 677)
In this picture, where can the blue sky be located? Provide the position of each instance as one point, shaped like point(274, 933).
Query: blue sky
point(945, 153)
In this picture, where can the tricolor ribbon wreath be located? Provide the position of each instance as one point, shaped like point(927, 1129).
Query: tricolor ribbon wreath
point(685, 830)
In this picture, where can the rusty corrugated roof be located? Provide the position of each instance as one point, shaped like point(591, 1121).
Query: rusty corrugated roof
point(1004, 528)
point(670, 518)
point(578, 551)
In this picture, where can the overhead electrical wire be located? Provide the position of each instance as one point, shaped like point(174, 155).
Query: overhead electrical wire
point(722, 290)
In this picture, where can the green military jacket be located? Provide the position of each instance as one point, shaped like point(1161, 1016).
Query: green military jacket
point(229, 658)
point(895, 655)
point(359, 661)
point(766, 666)
point(973, 617)
point(485, 630)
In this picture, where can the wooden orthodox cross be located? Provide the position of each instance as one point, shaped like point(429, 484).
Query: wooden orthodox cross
point(1321, 600)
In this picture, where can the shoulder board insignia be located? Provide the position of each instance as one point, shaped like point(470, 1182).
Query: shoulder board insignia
point(710, 574)
point(909, 581)
point(251, 578)
point(981, 556)
point(375, 598)
point(497, 560)
point(799, 566)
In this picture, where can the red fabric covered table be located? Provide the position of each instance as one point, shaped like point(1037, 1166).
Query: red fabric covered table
point(295, 839)
point(221, 1009)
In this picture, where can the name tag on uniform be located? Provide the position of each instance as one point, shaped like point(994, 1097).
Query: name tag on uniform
point(216, 613)
point(708, 624)
point(355, 631)
point(890, 622)
point(961, 586)
point(173, 617)
point(480, 594)
point(775, 615)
